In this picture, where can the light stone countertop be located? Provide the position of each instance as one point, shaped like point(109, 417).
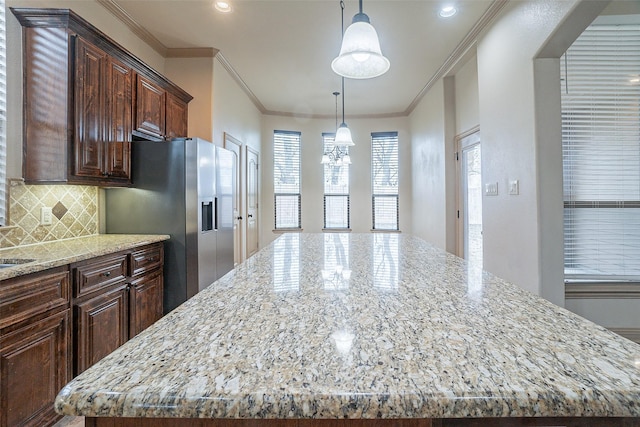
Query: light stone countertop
point(61, 252)
point(362, 326)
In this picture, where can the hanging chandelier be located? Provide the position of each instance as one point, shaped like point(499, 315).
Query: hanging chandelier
point(339, 154)
point(360, 54)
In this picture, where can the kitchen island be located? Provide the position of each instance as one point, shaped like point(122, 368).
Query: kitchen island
point(345, 329)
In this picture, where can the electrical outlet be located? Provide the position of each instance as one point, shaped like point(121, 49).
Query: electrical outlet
point(46, 216)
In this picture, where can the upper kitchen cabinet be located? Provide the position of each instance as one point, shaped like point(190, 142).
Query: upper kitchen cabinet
point(85, 99)
point(103, 108)
point(159, 113)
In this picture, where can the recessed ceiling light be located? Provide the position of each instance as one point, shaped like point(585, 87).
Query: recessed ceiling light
point(448, 11)
point(222, 6)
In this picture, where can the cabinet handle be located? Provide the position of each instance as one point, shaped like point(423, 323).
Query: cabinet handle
point(106, 274)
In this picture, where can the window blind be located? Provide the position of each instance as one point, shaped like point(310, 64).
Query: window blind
point(336, 189)
point(3, 115)
point(601, 153)
point(384, 178)
point(286, 179)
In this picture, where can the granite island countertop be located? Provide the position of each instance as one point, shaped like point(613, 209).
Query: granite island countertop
point(362, 326)
point(41, 256)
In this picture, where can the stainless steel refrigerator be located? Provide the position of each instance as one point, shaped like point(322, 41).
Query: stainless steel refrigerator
point(184, 188)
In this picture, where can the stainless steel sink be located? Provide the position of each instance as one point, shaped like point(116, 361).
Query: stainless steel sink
point(12, 262)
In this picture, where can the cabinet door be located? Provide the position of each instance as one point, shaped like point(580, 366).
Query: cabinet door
point(150, 107)
point(177, 117)
point(34, 364)
point(118, 119)
point(145, 302)
point(101, 327)
point(89, 111)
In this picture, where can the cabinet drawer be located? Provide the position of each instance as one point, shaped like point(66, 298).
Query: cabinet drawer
point(146, 259)
point(36, 293)
point(98, 274)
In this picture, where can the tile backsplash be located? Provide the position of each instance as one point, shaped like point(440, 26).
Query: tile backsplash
point(74, 213)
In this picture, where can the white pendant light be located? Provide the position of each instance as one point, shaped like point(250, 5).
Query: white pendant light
point(360, 55)
point(343, 134)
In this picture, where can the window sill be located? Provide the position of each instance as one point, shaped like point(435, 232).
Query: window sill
point(336, 230)
point(601, 290)
point(385, 231)
point(287, 230)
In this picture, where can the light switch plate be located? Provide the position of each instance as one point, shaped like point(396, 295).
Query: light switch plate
point(46, 216)
point(514, 187)
point(491, 189)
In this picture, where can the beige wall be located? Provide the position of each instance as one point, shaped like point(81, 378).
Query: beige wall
point(195, 75)
point(467, 112)
point(428, 160)
point(312, 170)
point(233, 111)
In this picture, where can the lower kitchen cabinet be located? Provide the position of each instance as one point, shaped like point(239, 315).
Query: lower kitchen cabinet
point(145, 302)
point(56, 323)
point(35, 346)
point(116, 297)
point(101, 326)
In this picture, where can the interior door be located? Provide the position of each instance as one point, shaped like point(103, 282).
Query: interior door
point(252, 202)
point(470, 197)
point(235, 146)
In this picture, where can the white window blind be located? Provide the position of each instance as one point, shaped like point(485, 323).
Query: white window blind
point(601, 153)
point(3, 115)
point(336, 189)
point(384, 177)
point(286, 179)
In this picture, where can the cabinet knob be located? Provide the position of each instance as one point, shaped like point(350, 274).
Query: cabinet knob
point(106, 274)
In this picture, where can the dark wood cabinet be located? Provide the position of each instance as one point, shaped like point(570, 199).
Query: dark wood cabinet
point(101, 326)
point(146, 288)
point(85, 99)
point(145, 302)
point(103, 104)
point(177, 117)
point(54, 325)
point(115, 297)
point(159, 113)
point(118, 119)
point(35, 346)
point(150, 108)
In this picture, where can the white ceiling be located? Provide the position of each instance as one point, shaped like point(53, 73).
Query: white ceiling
point(282, 49)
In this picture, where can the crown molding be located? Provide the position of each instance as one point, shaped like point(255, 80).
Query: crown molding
point(136, 28)
point(468, 42)
point(192, 52)
point(236, 77)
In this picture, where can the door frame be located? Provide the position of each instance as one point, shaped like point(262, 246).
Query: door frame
point(255, 152)
point(462, 140)
point(235, 145)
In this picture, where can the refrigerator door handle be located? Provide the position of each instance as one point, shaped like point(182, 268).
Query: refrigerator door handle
point(215, 210)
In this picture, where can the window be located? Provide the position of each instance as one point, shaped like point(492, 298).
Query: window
point(601, 153)
point(3, 115)
point(286, 179)
point(336, 189)
point(384, 176)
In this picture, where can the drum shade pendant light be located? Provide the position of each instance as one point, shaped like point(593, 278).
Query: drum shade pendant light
point(360, 55)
